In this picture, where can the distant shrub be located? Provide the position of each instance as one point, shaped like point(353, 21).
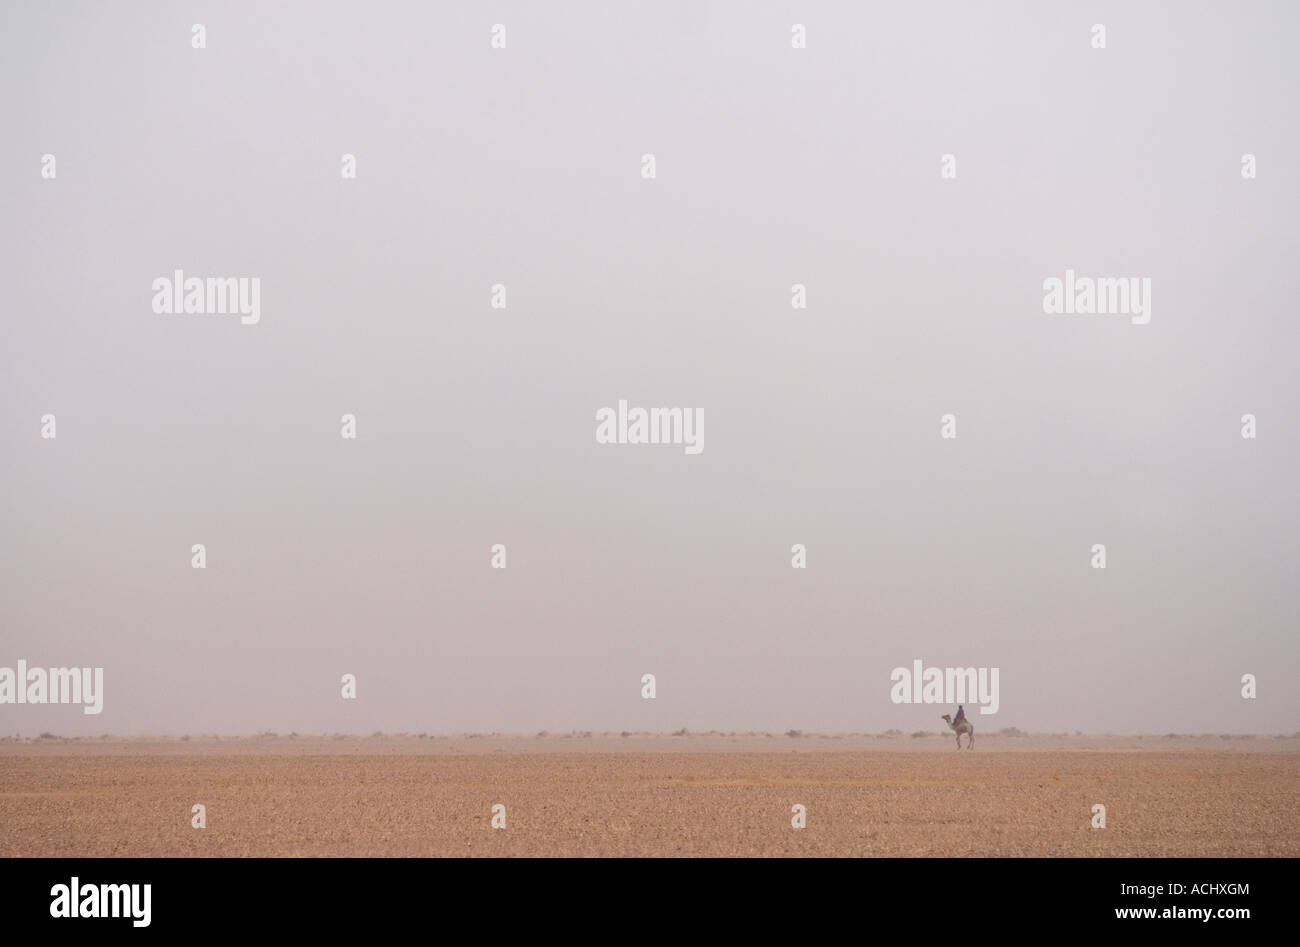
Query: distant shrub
point(48, 736)
point(625, 733)
point(541, 733)
point(185, 739)
point(1012, 732)
point(892, 733)
point(794, 733)
point(921, 733)
point(683, 732)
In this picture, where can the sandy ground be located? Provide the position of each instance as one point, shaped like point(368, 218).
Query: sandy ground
point(648, 794)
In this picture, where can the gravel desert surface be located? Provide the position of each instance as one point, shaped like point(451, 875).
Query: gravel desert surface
point(651, 795)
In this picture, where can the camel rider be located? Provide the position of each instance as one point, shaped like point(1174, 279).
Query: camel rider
point(961, 715)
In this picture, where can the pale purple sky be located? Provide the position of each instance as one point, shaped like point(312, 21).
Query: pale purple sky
point(775, 166)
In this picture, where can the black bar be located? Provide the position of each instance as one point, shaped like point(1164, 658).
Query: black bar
point(329, 897)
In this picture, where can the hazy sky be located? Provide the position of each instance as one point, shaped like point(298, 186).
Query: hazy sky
point(775, 166)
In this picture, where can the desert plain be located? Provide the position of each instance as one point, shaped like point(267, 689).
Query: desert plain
point(642, 794)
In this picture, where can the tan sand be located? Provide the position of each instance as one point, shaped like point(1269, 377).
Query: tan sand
point(652, 795)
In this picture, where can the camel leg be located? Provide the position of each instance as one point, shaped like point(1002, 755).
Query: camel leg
point(959, 741)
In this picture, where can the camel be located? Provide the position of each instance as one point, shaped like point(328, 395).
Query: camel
point(962, 726)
